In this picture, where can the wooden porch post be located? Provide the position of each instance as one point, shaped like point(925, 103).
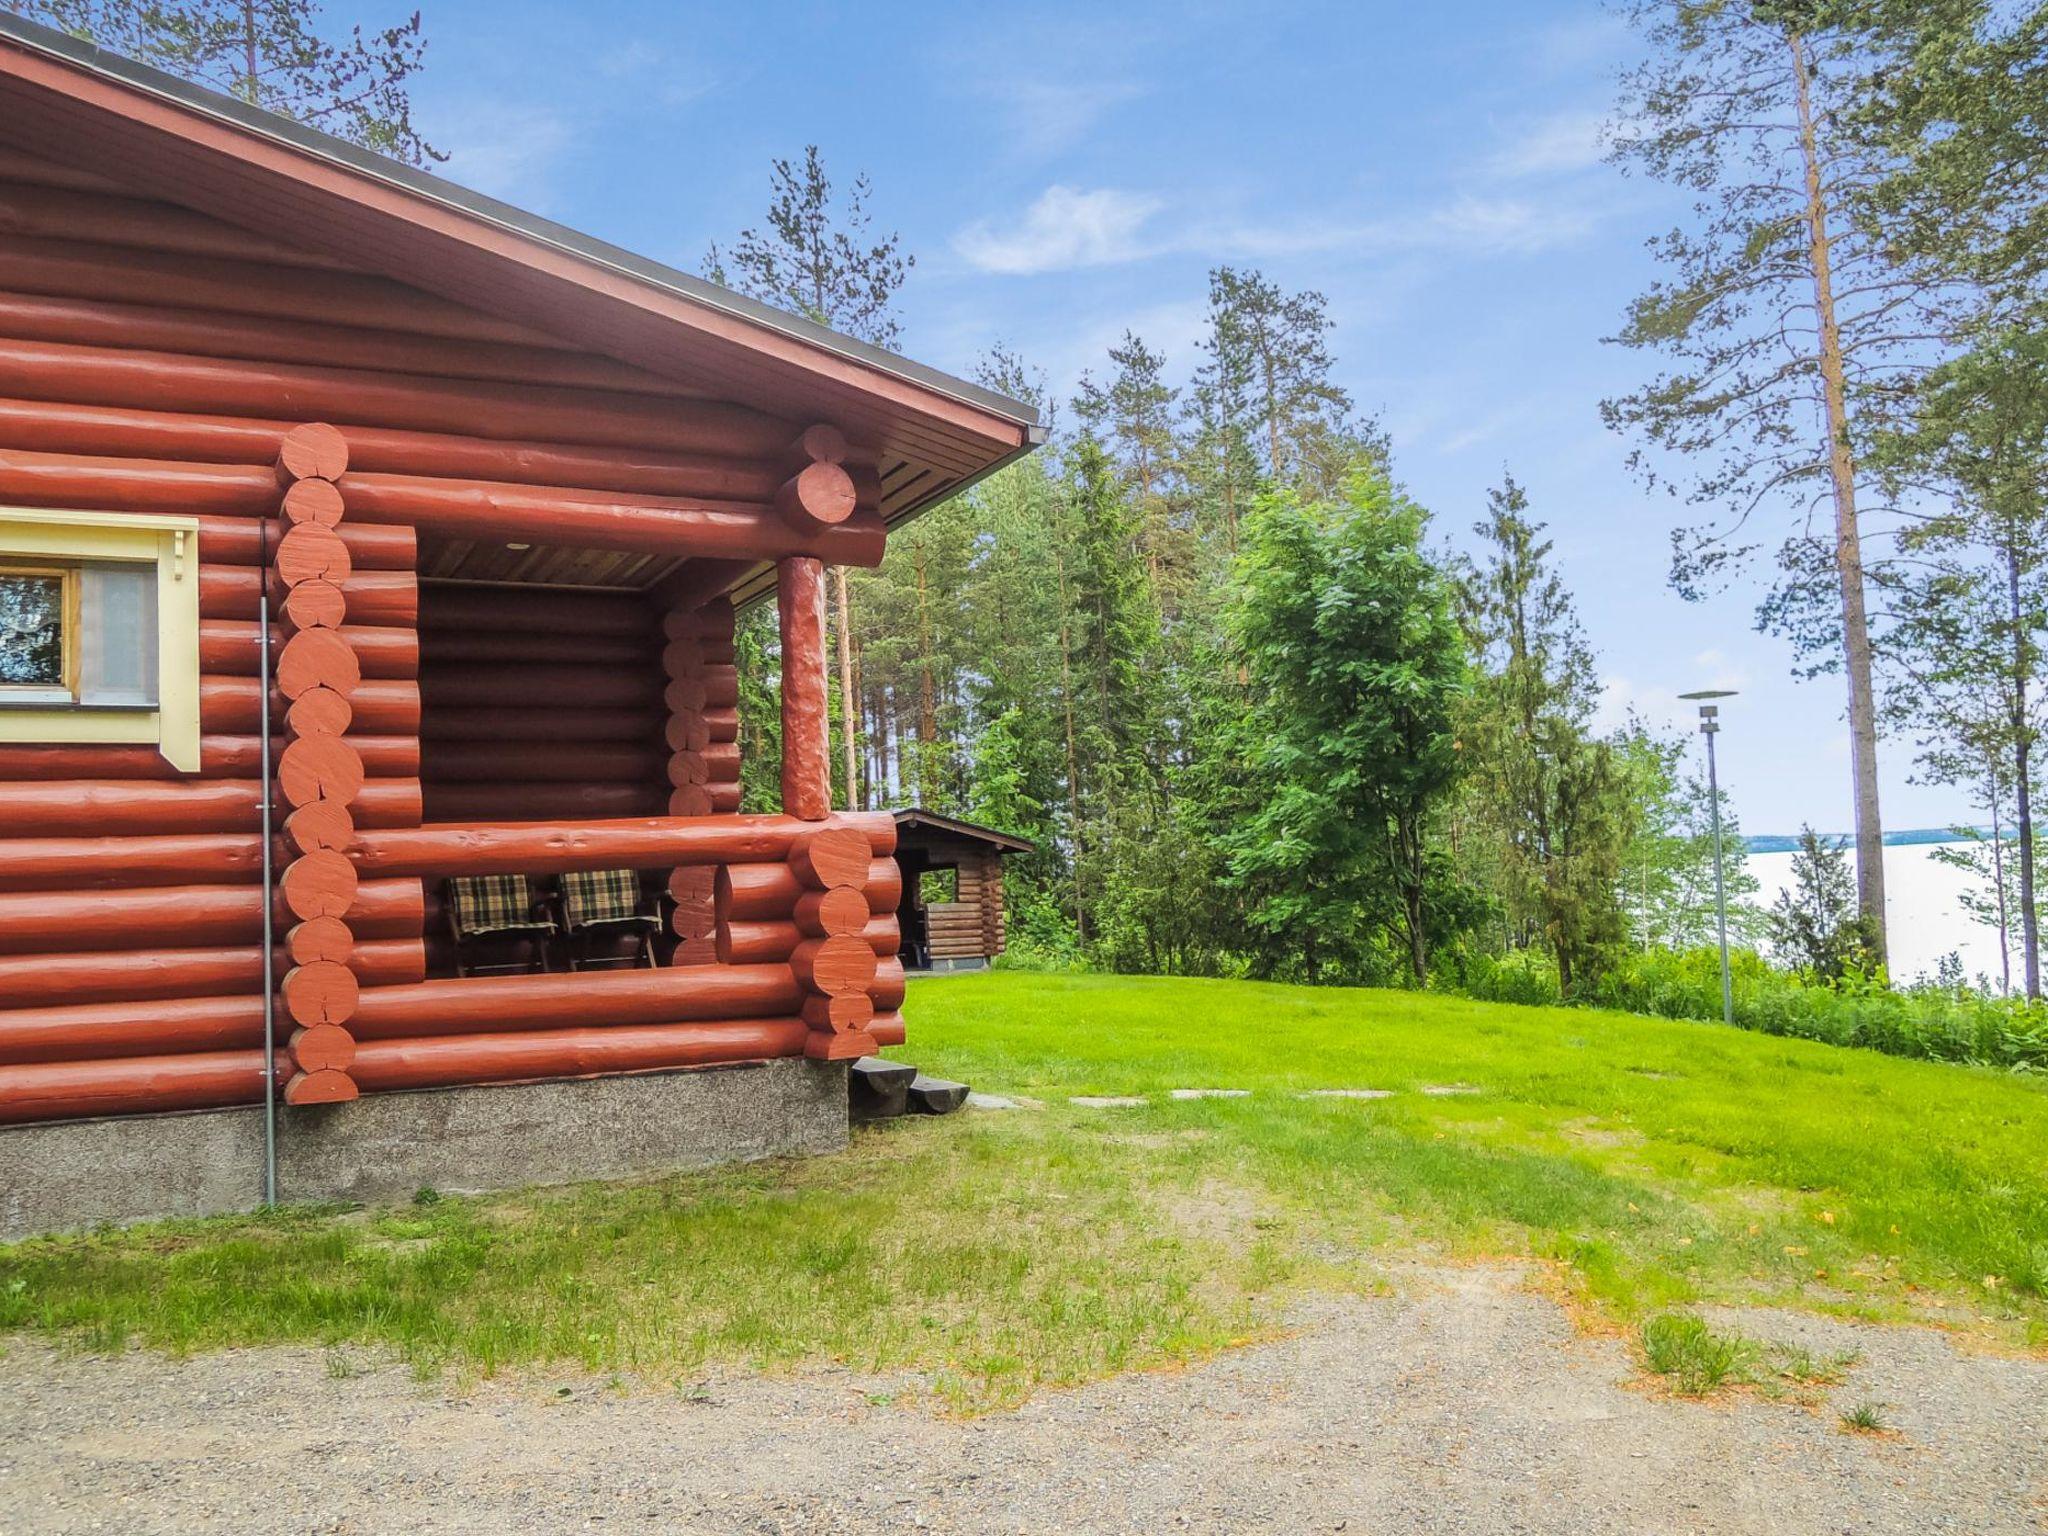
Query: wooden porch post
point(806, 759)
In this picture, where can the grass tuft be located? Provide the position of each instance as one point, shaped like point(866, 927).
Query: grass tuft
point(1697, 1360)
point(1866, 1418)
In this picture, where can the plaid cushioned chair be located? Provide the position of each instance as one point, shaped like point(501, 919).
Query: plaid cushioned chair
point(497, 915)
point(608, 902)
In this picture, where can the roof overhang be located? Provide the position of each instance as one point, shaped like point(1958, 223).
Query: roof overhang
point(83, 106)
point(916, 816)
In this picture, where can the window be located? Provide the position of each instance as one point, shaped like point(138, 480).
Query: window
point(99, 630)
point(939, 885)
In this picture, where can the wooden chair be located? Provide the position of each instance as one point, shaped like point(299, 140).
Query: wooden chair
point(608, 903)
point(498, 914)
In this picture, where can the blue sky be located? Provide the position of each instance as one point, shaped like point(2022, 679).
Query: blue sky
point(1063, 172)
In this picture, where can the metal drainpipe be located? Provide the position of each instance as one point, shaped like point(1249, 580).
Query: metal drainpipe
point(269, 921)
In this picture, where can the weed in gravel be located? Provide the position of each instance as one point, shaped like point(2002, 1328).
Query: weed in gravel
point(1695, 1358)
point(1866, 1418)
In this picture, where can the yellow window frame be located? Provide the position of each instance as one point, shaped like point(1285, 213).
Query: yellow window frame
point(64, 540)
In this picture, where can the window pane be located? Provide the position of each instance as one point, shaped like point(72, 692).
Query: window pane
point(117, 635)
point(31, 630)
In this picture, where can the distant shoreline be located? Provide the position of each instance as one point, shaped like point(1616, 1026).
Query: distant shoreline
point(1778, 842)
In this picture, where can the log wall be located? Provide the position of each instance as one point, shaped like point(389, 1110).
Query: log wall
point(152, 359)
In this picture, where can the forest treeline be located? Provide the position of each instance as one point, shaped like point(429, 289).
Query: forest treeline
point(1212, 658)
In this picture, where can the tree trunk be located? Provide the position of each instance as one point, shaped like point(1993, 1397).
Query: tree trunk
point(1073, 757)
point(927, 690)
point(1848, 539)
point(2022, 764)
point(849, 716)
point(1998, 886)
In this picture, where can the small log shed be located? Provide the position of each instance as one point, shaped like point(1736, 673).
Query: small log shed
point(956, 929)
point(496, 488)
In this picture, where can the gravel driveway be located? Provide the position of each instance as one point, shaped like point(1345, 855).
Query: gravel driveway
point(1460, 1403)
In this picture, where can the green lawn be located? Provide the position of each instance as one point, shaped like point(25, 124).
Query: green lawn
point(1656, 1163)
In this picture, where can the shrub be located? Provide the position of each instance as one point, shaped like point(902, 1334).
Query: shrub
point(1940, 1023)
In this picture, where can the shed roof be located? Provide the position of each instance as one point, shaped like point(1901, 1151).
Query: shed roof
point(82, 105)
point(913, 816)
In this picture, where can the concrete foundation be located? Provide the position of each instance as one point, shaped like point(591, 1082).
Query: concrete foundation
point(77, 1174)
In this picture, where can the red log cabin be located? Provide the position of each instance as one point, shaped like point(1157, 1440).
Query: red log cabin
point(477, 496)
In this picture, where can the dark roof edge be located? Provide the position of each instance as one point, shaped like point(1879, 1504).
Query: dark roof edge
point(966, 828)
point(296, 135)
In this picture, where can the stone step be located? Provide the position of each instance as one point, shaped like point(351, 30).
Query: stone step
point(936, 1096)
point(878, 1089)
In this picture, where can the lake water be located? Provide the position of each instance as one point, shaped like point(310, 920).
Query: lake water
point(1923, 918)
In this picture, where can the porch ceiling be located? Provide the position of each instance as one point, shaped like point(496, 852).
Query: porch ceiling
point(542, 564)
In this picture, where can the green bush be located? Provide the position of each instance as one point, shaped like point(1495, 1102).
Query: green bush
point(1935, 1022)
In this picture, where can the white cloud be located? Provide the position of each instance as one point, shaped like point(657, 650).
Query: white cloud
point(507, 152)
point(1065, 228)
point(1493, 226)
point(1044, 117)
point(1658, 704)
point(1561, 142)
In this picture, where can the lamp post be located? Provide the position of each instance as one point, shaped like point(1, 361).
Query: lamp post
point(1710, 726)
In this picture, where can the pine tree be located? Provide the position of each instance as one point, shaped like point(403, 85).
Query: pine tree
point(271, 54)
point(821, 260)
point(1270, 363)
point(1783, 307)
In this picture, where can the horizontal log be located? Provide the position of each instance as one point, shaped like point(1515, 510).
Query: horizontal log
point(322, 1086)
point(131, 1085)
point(715, 763)
point(228, 648)
point(831, 856)
point(576, 687)
point(102, 863)
point(120, 432)
point(889, 987)
point(450, 649)
point(463, 609)
point(120, 805)
point(453, 508)
point(463, 801)
point(93, 270)
point(93, 1031)
point(704, 800)
point(227, 540)
point(323, 992)
point(220, 757)
point(835, 966)
point(753, 892)
point(96, 976)
point(643, 843)
point(765, 942)
point(345, 396)
point(322, 1048)
point(264, 339)
point(473, 1004)
point(709, 688)
point(544, 763)
point(455, 724)
point(374, 597)
point(106, 217)
point(886, 1029)
point(44, 922)
point(233, 706)
point(702, 728)
point(314, 450)
point(385, 1065)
